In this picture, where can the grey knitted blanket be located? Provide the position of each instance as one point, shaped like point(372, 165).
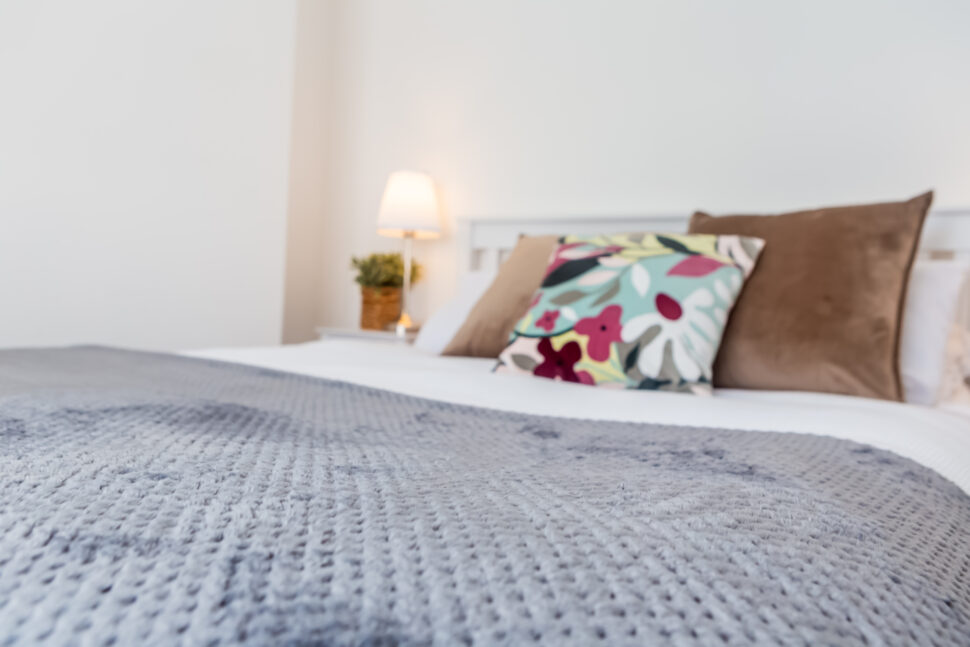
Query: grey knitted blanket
point(156, 500)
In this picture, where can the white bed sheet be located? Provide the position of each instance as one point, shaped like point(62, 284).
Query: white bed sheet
point(937, 438)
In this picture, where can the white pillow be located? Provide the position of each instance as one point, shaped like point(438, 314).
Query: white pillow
point(955, 388)
point(442, 326)
point(931, 309)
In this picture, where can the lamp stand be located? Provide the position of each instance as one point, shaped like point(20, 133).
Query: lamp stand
point(404, 323)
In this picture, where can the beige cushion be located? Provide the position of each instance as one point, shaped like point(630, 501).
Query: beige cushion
point(486, 330)
point(823, 309)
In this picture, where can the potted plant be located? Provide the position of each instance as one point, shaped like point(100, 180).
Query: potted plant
point(380, 277)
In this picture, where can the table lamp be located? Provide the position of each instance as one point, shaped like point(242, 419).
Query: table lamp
point(409, 210)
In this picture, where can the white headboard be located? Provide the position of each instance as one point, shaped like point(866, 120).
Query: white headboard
point(484, 242)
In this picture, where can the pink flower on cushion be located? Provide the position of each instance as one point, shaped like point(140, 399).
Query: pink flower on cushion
point(602, 330)
point(535, 299)
point(668, 307)
point(560, 364)
point(548, 320)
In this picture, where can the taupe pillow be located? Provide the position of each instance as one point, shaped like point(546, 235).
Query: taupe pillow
point(823, 309)
point(486, 331)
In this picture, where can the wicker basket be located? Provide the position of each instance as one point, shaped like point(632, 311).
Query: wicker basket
point(379, 307)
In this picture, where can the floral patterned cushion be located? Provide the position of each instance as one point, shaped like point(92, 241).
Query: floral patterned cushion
point(637, 311)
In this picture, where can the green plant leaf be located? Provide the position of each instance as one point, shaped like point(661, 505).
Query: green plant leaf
point(383, 270)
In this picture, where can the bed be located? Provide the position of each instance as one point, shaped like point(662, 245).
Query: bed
point(364, 493)
point(942, 444)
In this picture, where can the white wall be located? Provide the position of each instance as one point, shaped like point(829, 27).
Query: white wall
point(156, 156)
point(144, 151)
point(533, 107)
point(309, 187)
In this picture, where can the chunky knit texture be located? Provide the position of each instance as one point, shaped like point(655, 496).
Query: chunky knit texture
point(155, 500)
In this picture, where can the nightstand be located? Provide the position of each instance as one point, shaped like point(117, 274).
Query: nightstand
point(328, 332)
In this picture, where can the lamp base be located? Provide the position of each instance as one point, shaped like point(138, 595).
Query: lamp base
point(404, 325)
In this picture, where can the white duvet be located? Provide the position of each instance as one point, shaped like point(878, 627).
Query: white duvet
point(937, 438)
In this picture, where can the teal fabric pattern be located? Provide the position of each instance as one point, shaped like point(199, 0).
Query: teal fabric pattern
point(639, 311)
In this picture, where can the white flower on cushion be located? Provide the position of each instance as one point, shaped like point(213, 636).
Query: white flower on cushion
point(692, 332)
point(640, 278)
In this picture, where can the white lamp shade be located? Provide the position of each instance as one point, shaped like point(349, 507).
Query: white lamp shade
point(409, 207)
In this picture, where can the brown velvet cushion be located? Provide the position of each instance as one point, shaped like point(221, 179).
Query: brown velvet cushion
point(486, 331)
point(823, 309)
